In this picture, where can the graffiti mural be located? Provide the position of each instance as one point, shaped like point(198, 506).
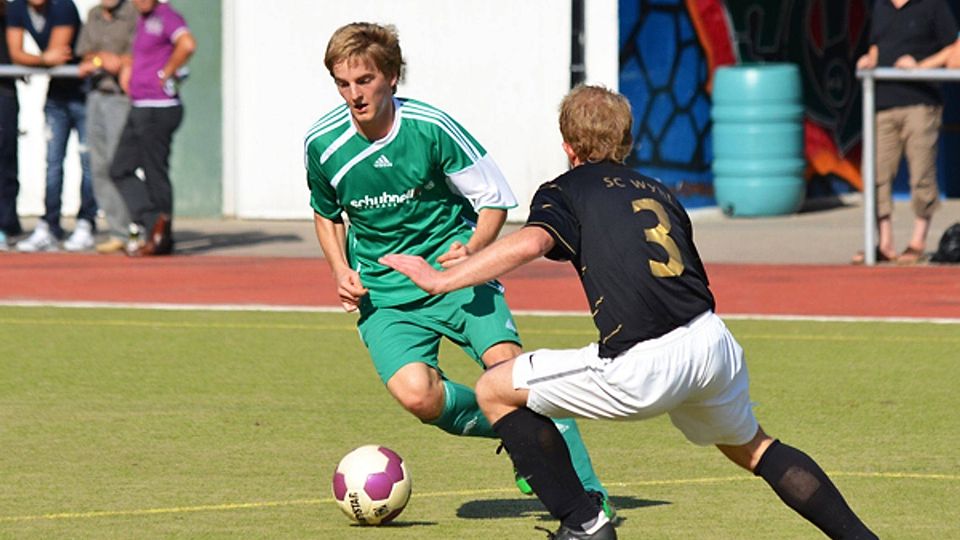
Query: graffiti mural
point(670, 48)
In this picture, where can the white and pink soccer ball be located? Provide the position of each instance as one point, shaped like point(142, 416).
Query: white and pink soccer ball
point(371, 485)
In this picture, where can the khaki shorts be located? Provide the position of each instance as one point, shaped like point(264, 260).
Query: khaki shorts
point(914, 131)
point(696, 374)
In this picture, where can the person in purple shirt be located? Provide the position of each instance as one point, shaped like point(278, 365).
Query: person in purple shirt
point(54, 25)
point(162, 45)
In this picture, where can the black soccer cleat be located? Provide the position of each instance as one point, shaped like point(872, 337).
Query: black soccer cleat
point(607, 532)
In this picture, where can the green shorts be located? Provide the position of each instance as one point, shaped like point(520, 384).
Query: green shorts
point(475, 319)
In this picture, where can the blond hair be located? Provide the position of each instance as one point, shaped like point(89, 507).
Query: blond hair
point(596, 123)
point(362, 41)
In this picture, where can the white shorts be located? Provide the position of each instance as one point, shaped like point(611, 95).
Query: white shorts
point(695, 373)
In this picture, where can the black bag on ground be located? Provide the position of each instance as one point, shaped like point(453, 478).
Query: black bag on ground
point(949, 249)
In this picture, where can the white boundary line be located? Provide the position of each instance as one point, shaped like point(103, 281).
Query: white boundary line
point(536, 312)
point(421, 495)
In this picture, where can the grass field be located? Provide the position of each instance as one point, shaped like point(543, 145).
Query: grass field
point(204, 424)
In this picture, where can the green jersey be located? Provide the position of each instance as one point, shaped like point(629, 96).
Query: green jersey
point(415, 191)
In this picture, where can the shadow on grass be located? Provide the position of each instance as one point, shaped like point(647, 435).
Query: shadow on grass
point(196, 242)
point(397, 524)
point(530, 506)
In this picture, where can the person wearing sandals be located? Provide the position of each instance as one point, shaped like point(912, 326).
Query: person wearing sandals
point(908, 34)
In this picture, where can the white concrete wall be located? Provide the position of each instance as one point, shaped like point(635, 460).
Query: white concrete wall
point(500, 67)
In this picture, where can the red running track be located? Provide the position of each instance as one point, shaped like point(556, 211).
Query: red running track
point(806, 290)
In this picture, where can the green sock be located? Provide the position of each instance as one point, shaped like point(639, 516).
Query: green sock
point(461, 415)
point(578, 454)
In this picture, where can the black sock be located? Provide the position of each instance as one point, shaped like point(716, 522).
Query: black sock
point(803, 486)
point(541, 456)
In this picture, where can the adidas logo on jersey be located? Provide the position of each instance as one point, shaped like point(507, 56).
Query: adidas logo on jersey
point(382, 162)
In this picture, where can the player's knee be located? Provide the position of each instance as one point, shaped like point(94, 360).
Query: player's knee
point(418, 393)
point(485, 392)
point(426, 406)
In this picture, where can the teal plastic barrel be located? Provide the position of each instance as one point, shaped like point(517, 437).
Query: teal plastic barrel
point(758, 139)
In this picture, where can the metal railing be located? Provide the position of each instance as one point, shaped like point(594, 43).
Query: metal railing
point(868, 160)
point(67, 71)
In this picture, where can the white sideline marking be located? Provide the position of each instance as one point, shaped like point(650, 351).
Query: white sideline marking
point(422, 495)
point(535, 312)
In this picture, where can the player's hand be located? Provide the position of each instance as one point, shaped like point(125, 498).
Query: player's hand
point(457, 253)
point(417, 269)
point(866, 62)
point(905, 62)
point(350, 290)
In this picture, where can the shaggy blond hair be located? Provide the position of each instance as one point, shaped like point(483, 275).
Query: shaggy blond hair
point(596, 123)
point(367, 42)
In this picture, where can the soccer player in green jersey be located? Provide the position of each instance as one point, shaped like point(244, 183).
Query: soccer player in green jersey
point(410, 179)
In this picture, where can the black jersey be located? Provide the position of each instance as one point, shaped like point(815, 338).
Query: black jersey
point(632, 244)
point(919, 28)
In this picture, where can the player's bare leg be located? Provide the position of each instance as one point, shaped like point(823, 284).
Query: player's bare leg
point(800, 483)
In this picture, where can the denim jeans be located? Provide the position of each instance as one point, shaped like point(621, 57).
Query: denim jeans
point(61, 117)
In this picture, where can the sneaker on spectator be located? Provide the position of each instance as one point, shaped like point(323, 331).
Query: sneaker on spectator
point(41, 240)
point(82, 237)
point(4, 246)
point(135, 240)
point(113, 245)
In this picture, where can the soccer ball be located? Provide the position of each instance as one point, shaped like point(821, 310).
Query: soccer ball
point(371, 485)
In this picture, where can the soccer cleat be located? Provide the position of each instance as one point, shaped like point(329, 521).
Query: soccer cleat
point(82, 237)
point(604, 503)
point(40, 240)
point(607, 532)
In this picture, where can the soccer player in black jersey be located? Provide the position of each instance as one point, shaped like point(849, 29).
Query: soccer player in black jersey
point(661, 349)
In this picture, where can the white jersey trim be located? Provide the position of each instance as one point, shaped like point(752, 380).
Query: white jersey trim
point(483, 184)
point(326, 124)
point(445, 123)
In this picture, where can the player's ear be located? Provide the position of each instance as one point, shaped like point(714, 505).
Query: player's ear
point(571, 154)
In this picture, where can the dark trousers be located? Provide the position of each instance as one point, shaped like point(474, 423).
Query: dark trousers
point(9, 168)
point(145, 145)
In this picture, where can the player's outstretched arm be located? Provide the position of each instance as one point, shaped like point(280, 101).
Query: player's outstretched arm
point(489, 263)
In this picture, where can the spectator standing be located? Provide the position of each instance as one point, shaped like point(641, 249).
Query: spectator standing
point(55, 25)
point(908, 34)
point(104, 42)
point(162, 45)
point(9, 134)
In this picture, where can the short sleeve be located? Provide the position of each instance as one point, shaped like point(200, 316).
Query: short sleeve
point(16, 15)
point(551, 211)
point(174, 26)
point(946, 25)
point(64, 14)
point(323, 196)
